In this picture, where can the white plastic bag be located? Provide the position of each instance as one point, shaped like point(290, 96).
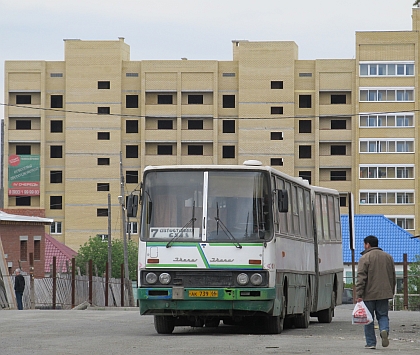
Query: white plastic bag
point(361, 314)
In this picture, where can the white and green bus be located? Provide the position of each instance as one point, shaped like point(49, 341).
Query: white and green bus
point(239, 244)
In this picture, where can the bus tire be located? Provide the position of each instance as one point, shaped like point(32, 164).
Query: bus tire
point(302, 321)
point(326, 315)
point(164, 324)
point(274, 324)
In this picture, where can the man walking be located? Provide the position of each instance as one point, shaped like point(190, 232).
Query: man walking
point(376, 282)
point(19, 288)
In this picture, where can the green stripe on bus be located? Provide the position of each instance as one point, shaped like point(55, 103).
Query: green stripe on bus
point(171, 265)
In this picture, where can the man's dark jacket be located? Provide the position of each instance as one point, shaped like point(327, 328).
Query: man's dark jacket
point(19, 283)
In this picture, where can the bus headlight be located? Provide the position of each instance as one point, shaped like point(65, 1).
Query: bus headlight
point(164, 278)
point(256, 279)
point(151, 278)
point(242, 279)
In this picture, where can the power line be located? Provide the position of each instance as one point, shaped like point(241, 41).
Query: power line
point(277, 117)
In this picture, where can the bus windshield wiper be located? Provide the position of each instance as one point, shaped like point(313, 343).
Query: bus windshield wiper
point(226, 230)
point(190, 222)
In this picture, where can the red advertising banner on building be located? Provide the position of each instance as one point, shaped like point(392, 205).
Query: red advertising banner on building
point(24, 175)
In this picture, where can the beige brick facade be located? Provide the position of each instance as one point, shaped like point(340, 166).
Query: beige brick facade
point(346, 124)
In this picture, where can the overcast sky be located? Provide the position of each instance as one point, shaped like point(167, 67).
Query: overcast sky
point(196, 29)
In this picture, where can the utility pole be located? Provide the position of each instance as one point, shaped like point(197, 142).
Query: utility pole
point(109, 237)
point(127, 282)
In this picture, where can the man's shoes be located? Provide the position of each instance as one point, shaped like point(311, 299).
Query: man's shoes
point(384, 336)
point(370, 346)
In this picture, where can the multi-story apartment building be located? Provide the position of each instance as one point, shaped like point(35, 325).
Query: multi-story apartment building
point(346, 124)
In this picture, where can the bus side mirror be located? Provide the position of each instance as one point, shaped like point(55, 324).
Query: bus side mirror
point(132, 205)
point(282, 200)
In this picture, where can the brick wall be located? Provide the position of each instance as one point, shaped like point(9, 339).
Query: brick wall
point(10, 235)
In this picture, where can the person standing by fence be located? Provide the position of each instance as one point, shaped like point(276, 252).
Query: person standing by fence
point(19, 288)
point(375, 285)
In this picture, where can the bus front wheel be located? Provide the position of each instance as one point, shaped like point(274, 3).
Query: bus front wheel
point(164, 324)
point(326, 315)
point(274, 324)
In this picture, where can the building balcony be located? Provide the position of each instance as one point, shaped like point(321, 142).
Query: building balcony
point(335, 135)
point(160, 135)
point(161, 110)
point(197, 160)
point(337, 185)
point(197, 110)
point(335, 161)
point(332, 110)
point(197, 135)
point(160, 160)
point(28, 111)
point(19, 135)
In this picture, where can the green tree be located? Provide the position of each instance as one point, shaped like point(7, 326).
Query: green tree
point(414, 276)
point(97, 250)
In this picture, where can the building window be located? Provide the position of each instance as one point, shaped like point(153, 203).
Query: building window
point(56, 202)
point(228, 151)
point(305, 126)
point(307, 175)
point(228, 126)
point(132, 126)
point(23, 250)
point(195, 124)
point(23, 200)
point(134, 75)
point(103, 161)
point(104, 85)
point(104, 110)
point(132, 177)
point(55, 228)
point(23, 150)
point(23, 124)
point(229, 75)
point(276, 161)
point(386, 69)
point(338, 124)
point(386, 172)
point(56, 176)
point(305, 75)
point(195, 99)
point(374, 197)
point(131, 151)
point(165, 124)
point(56, 126)
point(37, 249)
point(165, 99)
point(277, 110)
point(56, 75)
point(23, 99)
point(56, 151)
point(102, 212)
point(102, 186)
point(195, 150)
point(387, 146)
point(305, 152)
point(338, 150)
point(387, 120)
point(343, 201)
point(403, 222)
point(275, 84)
point(389, 95)
point(131, 101)
point(228, 101)
point(305, 101)
point(56, 101)
point(164, 150)
point(338, 99)
point(276, 136)
point(132, 227)
point(104, 136)
point(336, 175)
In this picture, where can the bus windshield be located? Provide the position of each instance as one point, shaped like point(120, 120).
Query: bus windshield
point(214, 206)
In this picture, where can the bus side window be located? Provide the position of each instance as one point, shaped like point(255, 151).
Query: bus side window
point(274, 205)
point(282, 216)
point(331, 218)
point(337, 218)
point(318, 216)
point(308, 215)
point(295, 211)
point(288, 187)
point(325, 224)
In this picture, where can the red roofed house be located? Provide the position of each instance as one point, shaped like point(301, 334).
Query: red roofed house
point(63, 255)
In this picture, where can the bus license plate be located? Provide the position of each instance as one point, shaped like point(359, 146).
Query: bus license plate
point(203, 293)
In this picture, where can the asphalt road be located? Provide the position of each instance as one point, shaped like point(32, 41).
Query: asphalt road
point(124, 331)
